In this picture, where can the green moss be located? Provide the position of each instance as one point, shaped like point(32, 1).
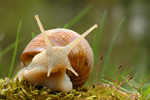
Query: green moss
point(23, 90)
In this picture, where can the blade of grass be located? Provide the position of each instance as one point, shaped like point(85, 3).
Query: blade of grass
point(105, 67)
point(121, 88)
point(140, 89)
point(96, 42)
point(97, 37)
point(15, 50)
point(145, 86)
point(116, 94)
point(10, 47)
point(33, 35)
point(146, 93)
point(131, 85)
point(78, 17)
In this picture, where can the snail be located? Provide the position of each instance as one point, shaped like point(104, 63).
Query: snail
point(59, 59)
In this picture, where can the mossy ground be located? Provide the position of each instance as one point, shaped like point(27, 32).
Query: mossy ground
point(23, 90)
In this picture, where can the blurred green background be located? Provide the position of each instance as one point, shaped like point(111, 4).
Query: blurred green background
point(131, 48)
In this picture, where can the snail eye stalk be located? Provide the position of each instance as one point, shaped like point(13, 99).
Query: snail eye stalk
point(68, 48)
point(49, 47)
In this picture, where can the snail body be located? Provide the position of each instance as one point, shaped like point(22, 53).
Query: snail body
point(59, 59)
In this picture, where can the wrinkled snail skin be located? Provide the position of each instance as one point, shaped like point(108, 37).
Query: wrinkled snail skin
point(59, 59)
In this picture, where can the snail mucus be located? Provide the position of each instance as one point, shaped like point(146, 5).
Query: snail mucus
point(59, 59)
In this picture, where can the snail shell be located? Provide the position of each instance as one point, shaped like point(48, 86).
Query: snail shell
point(80, 58)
